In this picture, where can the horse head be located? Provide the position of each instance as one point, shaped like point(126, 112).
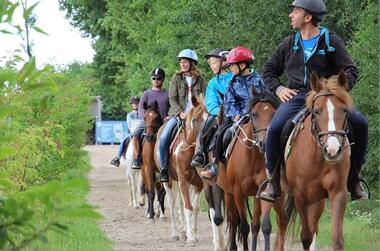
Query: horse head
point(329, 103)
point(262, 108)
point(152, 120)
point(196, 116)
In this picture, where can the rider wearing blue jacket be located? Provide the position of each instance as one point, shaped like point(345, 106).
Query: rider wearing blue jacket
point(239, 91)
point(213, 100)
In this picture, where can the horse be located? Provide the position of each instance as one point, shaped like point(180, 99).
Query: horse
point(152, 122)
point(213, 193)
point(182, 174)
point(319, 161)
point(244, 174)
point(134, 178)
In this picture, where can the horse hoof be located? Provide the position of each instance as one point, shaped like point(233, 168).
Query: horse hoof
point(191, 241)
point(174, 238)
point(136, 207)
point(150, 221)
point(163, 218)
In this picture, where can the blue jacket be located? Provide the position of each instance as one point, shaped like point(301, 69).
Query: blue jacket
point(218, 84)
point(239, 93)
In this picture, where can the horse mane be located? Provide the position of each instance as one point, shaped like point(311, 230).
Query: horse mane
point(331, 85)
point(195, 111)
point(264, 97)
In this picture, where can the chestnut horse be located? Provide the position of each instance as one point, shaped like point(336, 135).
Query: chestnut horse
point(244, 174)
point(152, 123)
point(319, 161)
point(181, 172)
point(213, 193)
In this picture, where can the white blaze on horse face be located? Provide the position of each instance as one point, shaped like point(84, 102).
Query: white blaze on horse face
point(332, 143)
point(266, 107)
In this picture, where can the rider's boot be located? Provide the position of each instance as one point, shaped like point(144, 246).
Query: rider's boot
point(270, 193)
point(136, 163)
point(115, 161)
point(210, 172)
point(164, 176)
point(354, 183)
point(199, 160)
point(358, 193)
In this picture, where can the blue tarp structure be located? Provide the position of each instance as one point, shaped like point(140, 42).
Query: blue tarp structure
point(110, 131)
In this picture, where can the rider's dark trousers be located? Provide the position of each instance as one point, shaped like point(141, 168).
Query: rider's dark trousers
point(288, 109)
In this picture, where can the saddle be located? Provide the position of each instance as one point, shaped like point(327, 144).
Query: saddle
point(125, 146)
point(226, 139)
point(290, 131)
point(174, 134)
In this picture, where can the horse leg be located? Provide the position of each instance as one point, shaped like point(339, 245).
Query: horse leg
point(150, 191)
point(184, 188)
point(195, 197)
point(161, 200)
point(217, 220)
point(338, 202)
point(141, 190)
point(314, 213)
point(255, 224)
point(242, 211)
point(232, 219)
point(134, 182)
point(171, 197)
point(282, 222)
point(306, 234)
point(267, 225)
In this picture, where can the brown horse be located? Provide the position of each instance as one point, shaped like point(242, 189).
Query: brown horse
point(152, 123)
point(182, 174)
point(319, 161)
point(245, 172)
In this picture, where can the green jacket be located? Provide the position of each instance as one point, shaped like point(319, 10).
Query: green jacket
point(178, 92)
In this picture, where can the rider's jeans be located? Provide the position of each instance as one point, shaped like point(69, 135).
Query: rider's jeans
point(164, 141)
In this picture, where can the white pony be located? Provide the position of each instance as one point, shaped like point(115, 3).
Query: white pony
point(134, 178)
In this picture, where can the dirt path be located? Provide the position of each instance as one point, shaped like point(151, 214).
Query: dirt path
point(127, 227)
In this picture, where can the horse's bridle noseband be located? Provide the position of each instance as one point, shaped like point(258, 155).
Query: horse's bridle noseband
point(316, 130)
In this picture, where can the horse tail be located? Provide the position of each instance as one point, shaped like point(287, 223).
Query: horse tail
point(291, 214)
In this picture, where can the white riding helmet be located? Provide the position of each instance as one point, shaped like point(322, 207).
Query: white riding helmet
point(189, 54)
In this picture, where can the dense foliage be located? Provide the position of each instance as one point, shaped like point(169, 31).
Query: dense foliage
point(134, 36)
point(44, 115)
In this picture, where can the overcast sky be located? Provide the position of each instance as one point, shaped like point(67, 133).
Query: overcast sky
point(64, 43)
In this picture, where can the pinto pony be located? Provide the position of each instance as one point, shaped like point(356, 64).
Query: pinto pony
point(244, 174)
point(319, 161)
point(182, 174)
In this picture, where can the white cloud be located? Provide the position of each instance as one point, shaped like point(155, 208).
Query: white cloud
point(64, 43)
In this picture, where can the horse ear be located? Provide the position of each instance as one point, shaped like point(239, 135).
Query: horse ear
point(314, 82)
point(343, 80)
point(145, 105)
point(194, 101)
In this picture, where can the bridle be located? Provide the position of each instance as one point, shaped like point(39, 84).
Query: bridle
point(316, 130)
point(155, 126)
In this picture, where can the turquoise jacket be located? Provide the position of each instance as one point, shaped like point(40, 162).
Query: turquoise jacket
point(216, 86)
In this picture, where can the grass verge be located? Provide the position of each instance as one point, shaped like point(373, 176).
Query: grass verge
point(82, 234)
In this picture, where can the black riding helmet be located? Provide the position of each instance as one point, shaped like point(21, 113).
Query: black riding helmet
point(158, 72)
point(316, 8)
point(135, 100)
point(218, 53)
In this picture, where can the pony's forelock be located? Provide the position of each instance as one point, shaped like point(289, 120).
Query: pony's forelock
point(331, 85)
